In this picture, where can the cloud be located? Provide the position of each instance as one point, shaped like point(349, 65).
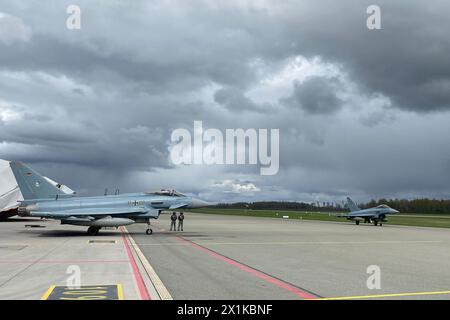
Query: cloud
point(316, 95)
point(358, 110)
point(13, 29)
point(236, 186)
point(405, 61)
point(9, 112)
point(235, 100)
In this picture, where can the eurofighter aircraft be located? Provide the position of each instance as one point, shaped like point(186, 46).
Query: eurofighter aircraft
point(377, 215)
point(43, 199)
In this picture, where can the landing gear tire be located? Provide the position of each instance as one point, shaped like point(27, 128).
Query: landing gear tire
point(375, 223)
point(149, 231)
point(357, 222)
point(93, 231)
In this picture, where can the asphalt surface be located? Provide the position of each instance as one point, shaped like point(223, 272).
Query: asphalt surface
point(38, 254)
point(225, 257)
point(235, 257)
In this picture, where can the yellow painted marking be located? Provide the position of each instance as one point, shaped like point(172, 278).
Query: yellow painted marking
point(388, 295)
point(48, 293)
point(102, 241)
point(120, 292)
point(154, 278)
point(92, 292)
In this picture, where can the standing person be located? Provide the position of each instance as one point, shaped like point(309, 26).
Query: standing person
point(180, 221)
point(173, 224)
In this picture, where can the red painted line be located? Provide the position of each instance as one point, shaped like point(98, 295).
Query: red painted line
point(263, 276)
point(64, 261)
point(137, 274)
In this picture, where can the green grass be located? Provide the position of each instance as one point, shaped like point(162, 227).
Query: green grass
point(410, 220)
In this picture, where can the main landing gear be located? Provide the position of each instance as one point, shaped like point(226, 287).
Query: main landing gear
point(93, 231)
point(375, 222)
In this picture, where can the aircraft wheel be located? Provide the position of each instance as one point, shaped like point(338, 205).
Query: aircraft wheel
point(93, 231)
point(381, 224)
point(357, 222)
point(375, 223)
point(149, 231)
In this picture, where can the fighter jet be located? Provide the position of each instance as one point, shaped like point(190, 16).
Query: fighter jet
point(377, 215)
point(43, 199)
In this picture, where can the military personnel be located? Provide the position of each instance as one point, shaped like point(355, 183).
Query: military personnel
point(173, 218)
point(180, 221)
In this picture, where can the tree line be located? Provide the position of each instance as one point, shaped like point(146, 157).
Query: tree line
point(279, 205)
point(426, 206)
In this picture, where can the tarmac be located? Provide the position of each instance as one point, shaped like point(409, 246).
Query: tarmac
point(224, 257)
point(41, 259)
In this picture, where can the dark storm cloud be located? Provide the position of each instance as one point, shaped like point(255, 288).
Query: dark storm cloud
point(84, 62)
point(316, 95)
point(234, 100)
point(407, 60)
point(97, 106)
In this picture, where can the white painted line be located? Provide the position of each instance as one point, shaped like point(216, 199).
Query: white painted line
point(154, 278)
point(298, 243)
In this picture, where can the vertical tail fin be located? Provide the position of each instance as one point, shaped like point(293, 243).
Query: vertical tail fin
point(31, 184)
point(352, 206)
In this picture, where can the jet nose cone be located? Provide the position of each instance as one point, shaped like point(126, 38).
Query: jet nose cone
point(395, 211)
point(197, 203)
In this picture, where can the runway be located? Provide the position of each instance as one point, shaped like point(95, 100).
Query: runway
point(224, 257)
point(233, 257)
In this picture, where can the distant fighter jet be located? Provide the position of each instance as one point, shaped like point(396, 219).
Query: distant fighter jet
point(377, 215)
point(43, 199)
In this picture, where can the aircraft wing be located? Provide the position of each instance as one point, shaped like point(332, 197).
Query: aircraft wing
point(93, 212)
point(359, 215)
point(364, 215)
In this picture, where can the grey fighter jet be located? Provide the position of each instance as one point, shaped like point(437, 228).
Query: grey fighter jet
point(377, 215)
point(43, 199)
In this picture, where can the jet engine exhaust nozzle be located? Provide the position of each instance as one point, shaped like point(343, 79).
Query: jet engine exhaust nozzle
point(25, 211)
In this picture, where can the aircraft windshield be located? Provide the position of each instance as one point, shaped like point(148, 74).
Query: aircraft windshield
point(164, 192)
point(383, 206)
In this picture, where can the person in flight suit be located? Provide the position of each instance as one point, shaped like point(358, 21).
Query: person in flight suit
point(173, 218)
point(180, 221)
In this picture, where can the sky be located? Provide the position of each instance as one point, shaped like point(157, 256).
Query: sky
point(360, 112)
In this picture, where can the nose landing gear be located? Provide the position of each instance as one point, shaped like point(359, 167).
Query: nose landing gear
point(149, 231)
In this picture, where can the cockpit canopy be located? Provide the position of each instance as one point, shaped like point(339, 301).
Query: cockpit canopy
point(383, 206)
point(164, 192)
